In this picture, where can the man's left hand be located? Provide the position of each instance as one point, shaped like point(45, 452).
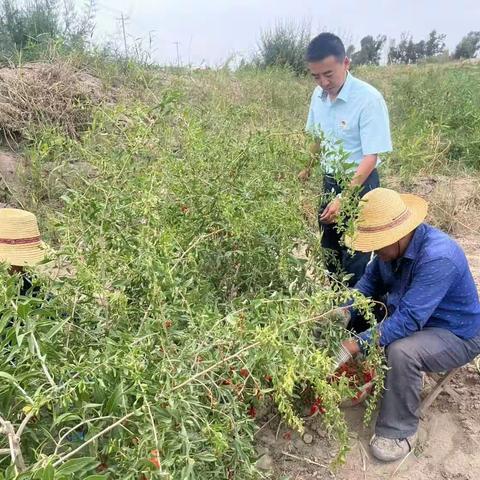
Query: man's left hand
point(331, 211)
point(352, 346)
point(347, 350)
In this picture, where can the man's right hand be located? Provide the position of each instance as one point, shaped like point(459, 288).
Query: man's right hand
point(304, 175)
point(330, 212)
point(314, 148)
point(339, 315)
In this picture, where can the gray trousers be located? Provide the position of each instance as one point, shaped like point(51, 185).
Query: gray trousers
point(429, 350)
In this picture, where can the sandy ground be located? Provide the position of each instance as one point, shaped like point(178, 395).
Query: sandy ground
point(448, 446)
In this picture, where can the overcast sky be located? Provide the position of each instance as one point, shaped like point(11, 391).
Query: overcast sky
point(209, 31)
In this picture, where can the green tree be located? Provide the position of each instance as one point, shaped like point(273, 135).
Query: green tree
point(370, 51)
point(407, 51)
point(284, 46)
point(469, 46)
point(435, 45)
point(26, 25)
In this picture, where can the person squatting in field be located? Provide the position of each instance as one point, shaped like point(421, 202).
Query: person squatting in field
point(432, 321)
point(20, 245)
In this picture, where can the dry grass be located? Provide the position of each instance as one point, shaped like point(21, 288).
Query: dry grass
point(454, 202)
point(41, 93)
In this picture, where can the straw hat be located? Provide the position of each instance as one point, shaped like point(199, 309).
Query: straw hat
point(385, 217)
point(20, 242)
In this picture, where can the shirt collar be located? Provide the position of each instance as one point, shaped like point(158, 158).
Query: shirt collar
point(415, 243)
point(347, 87)
point(344, 91)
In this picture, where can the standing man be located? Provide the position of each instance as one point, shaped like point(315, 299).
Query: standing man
point(348, 111)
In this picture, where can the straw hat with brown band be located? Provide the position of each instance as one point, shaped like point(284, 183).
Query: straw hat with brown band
point(385, 217)
point(20, 242)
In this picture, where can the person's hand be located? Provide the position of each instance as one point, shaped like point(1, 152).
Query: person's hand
point(304, 175)
point(314, 148)
point(340, 315)
point(352, 346)
point(348, 349)
point(331, 211)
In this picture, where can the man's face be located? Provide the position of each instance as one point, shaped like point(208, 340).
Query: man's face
point(389, 253)
point(329, 73)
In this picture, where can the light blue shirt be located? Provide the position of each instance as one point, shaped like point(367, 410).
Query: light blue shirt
point(357, 119)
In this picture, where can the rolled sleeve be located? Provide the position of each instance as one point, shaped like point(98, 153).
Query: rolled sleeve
point(375, 134)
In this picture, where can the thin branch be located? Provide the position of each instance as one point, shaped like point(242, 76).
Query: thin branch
point(70, 430)
point(14, 445)
point(209, 369)
point(304, 459)
point(196, 242)
point(22, 426)
point(90, 440)
point(42, 362)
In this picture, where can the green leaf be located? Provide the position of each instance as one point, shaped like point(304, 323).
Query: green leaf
point(96, 477)
point(77, 464)
point(6, 318)
point(47, 473)
point(115, 399)
point(51, 333)
point(66, 417)
point(8, 377)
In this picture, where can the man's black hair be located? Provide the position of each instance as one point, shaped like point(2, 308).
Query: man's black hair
point(324, 45)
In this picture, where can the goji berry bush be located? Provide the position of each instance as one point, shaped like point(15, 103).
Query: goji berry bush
point(176, 301)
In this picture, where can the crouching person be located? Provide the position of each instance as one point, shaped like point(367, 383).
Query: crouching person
point(433, 310)
point(20, 244)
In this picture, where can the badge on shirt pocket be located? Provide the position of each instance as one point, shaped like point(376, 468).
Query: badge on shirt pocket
point(343, 124)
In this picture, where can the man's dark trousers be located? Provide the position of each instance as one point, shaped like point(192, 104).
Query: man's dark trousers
point(339, 256)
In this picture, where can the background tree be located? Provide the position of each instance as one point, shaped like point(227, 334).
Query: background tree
point(407, 51)
point(469, 46)
point(284, 46)
point(435, 45)
point(370, 51)
point(26, 26)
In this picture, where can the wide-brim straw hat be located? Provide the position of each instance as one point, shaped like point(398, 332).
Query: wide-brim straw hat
point(385, 217)
point(20, 242)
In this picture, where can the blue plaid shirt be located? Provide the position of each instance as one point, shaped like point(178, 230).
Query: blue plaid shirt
point(430, 286)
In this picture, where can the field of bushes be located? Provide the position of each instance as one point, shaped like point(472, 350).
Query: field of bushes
point(175, 305)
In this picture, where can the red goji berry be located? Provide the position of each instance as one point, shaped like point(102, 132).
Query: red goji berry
point(358, 395)
point(154, 460)
point(367, 377)
point(244, 373)
point(287, 436)
point(102, 467)
point(252, 411)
